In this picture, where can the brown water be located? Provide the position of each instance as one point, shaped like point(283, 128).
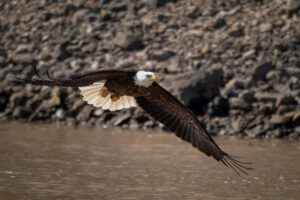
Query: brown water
point(47, 162)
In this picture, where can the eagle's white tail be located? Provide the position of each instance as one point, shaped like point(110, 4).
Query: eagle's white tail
point(100, 97)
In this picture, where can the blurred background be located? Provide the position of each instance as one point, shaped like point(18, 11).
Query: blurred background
point(235, 63)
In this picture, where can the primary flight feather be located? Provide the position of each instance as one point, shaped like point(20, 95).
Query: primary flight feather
point(117, 89)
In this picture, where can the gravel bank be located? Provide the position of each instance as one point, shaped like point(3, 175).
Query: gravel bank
point(235, 63)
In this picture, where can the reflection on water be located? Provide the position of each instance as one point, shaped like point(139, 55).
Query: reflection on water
point(46, 162)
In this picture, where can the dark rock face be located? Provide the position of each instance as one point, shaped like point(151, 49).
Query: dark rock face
point(236, 64)
point(200, 88)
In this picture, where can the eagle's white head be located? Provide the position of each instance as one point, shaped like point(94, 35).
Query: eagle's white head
point(144, 78)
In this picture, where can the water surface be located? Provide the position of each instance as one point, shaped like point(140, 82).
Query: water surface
point(48, 162)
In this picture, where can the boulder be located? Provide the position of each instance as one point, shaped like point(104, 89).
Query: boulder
point(197, 88)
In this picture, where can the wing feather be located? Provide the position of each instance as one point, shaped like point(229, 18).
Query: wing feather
point(165, 108)
point(77, 80)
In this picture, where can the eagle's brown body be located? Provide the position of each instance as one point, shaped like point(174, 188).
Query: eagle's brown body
point(153, 99)
point(117, 87)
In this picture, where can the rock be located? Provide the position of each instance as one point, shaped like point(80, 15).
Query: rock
point(89, 48)
point(24, 48)
point(60, 114)
point(24, 58)
point(247, 96)
point(194, 12)
point(282, 109)
point(105, 15)
point(3, 52)
point(239, 125)
point(70, 9)
point(141, 119)
point(296, 118)
point(4, 99)
point(98, 112)
point(210, 12)
point(61, 52)
point(118, 6)
point(266, 97)
point(163, 2)
point(122, 120)
point(148, 4)
point(126, 63)
point(2, 61)
point(274, 76)
point(239, 104)
point(280, 119)
point(237, 30)
point(129, 42)
point(261, 71)
point(295, 135)
point(233, 86)
point(236, 83)
point(198, 88)
point(219, 23)
point(256, 132)
point(17, 99)
point(161, 55)
point(84, 114)
point(219, 107)
point(108, 117)
point(265, 27)
point(76, 105)
point(292, 7)
point(177, 64)
point(286, 100)
point(21, 113)
point(53, 101)
point(249, 54)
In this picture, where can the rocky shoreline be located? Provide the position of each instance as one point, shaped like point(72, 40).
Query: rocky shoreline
point(235, 63)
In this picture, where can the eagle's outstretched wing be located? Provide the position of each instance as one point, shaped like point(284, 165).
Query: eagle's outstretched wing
point(165, 108)
point(78, 80)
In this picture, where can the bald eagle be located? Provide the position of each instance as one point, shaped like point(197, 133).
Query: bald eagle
point(117, 89)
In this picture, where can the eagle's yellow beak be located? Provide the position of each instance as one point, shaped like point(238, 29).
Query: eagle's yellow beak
point(154, 77)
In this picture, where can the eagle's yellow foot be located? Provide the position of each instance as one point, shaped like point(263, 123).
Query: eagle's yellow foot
point(104, 92)
point(115, 97)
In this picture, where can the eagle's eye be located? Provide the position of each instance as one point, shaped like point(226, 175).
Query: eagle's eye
point(149, 75)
